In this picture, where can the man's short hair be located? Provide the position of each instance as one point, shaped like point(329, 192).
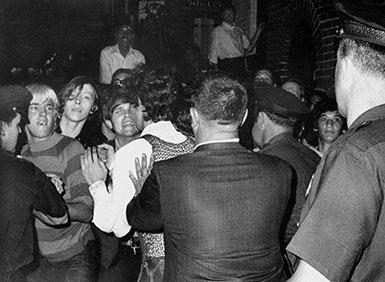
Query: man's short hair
point(221, 98)
point(288, 122)
point(121, 24)
point(228, 7)
point(367, 57)
point(115, 95)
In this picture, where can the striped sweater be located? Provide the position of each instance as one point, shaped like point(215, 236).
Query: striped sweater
point(61, 155)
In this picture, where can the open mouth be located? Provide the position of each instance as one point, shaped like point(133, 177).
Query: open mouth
point(127, 124)
point(42, 123)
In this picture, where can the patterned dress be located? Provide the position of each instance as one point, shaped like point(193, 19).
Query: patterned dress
point(152, 244)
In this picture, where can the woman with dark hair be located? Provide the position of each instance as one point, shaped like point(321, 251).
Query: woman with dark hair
point(80, 118)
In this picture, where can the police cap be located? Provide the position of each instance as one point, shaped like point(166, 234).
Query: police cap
point(362, 20)
point(14, 98)
point(278, 101)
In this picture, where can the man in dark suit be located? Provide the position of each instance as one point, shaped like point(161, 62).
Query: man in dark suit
point(220, 207)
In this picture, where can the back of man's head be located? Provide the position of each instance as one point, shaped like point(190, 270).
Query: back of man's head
point(362, 31)
point(367, 57)
point(221, 99)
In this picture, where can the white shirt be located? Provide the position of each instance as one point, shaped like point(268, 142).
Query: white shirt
point(227, 41)
point(110, 207)
point(111, 60)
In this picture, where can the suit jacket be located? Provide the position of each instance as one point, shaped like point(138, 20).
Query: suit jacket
point(304, 161)
point(220, 208)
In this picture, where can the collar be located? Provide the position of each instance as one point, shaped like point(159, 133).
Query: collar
point(46, 143)
point(227, 25)
point(116, 50)
point(277, 138)
point(370, 115)
point(164, 130)
point(232, 140)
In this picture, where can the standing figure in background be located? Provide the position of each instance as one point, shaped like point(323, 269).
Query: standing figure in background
point(229, 45)
point(121, 55)
point(296, 88)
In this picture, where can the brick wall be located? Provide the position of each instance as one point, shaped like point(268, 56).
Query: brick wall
point(283, 17)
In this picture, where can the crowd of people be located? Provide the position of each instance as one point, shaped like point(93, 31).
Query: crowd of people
point(155, 174)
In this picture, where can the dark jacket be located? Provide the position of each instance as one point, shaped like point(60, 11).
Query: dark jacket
point(23, 187)
point(304, 162)
point(220, 208)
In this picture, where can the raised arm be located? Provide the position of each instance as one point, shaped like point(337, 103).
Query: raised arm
point(255, 38)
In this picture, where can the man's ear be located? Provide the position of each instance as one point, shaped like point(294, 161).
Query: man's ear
point(194, 117)
point(109, 124)
point(93, 109)
point(262, 119)
point(347, 71)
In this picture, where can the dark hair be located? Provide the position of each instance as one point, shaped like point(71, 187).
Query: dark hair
point(78, 81)
point(367, 57)
point(135, 76)
point(221, 98)
point(323, 106)
point(228, 7)
point(114, 94)
point(120, 24)
point(7, 116)
point(158, 95)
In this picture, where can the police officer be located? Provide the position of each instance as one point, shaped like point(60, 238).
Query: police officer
point(342, 231)
point(24, 191)
point(276, 113)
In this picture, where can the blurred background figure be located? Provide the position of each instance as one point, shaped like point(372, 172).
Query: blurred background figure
point(124, 78)
point(266, 76)
point(121, 55)
point(296, 88)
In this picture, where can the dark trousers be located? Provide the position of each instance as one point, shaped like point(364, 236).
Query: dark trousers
point(234, 66)
point(79, 268)
point(125, 268)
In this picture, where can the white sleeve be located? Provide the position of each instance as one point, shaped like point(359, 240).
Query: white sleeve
point(142, 59)
point(105, 70)
point(103, 207)
point(214, 46)
point(123, 188)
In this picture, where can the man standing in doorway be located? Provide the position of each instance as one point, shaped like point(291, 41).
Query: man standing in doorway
point(229, 45)
point(121, 55)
